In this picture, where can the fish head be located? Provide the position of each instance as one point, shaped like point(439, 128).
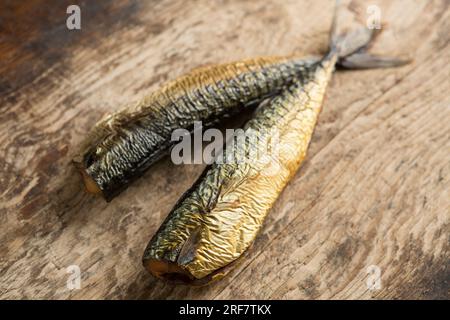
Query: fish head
point(107, 159)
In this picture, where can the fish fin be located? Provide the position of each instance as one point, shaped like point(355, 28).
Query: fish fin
point(189, 249)
point(352, 42)
point(348, 43)
point(375, 34)
point(351, 48)
point(333, 31)
point(369, 61)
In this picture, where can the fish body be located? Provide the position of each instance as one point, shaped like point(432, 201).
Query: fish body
point(126, 143)
point(219, 217)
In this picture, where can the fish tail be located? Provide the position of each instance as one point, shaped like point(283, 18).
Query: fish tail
point(351, 47)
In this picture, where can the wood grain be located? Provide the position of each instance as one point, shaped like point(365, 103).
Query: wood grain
point(373, 191)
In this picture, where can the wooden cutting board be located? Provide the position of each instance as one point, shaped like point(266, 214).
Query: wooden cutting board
point(366, 217)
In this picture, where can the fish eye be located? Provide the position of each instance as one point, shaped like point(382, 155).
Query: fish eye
point(89, 159)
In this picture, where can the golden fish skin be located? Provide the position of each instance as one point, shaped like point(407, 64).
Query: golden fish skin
point(124, 144)
point(216, 221)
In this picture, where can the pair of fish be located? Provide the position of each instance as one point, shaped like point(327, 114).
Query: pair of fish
point(218, 218)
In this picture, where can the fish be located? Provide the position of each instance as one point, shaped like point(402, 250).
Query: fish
point(218, 218)
point(124, 144)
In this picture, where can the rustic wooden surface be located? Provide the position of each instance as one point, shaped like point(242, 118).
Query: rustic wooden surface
point(373, 191)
